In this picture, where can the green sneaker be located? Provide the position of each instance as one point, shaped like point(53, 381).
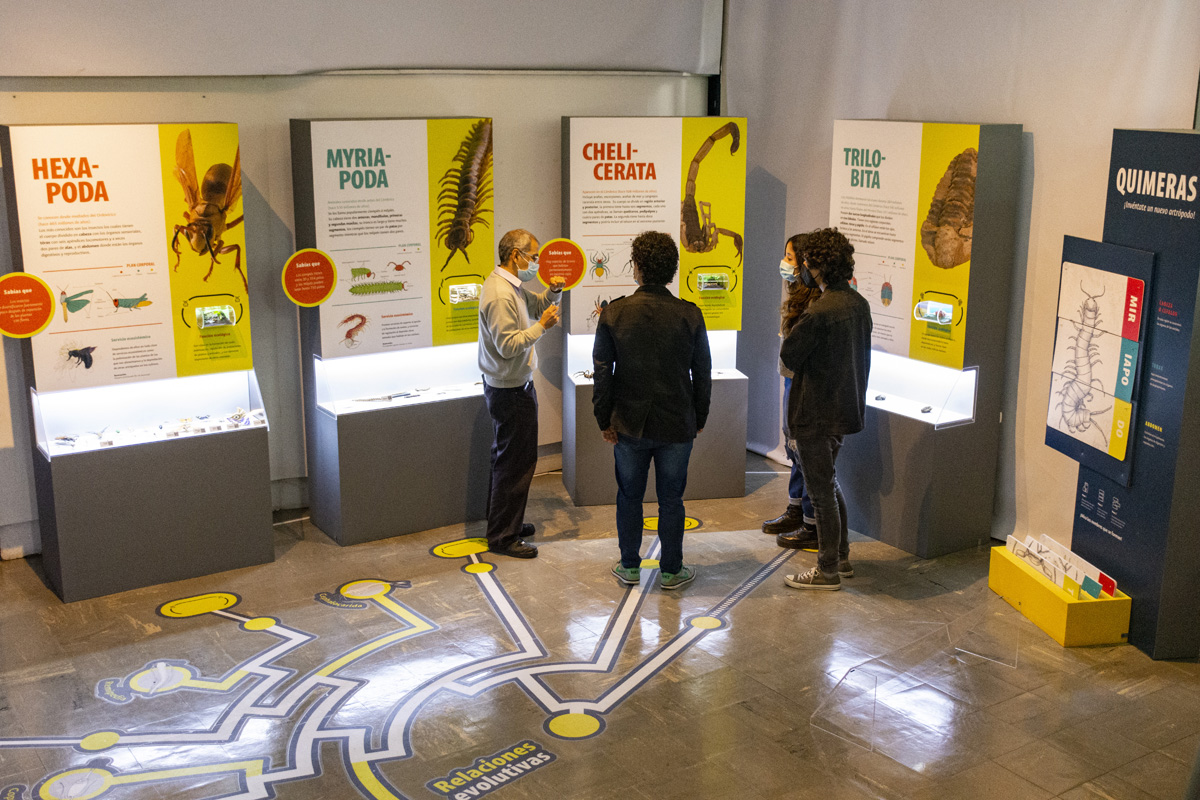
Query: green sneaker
point(676, 580)
point(630, 576)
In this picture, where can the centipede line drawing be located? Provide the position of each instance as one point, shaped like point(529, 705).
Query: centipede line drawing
point(465, 189)
point(1077, 398)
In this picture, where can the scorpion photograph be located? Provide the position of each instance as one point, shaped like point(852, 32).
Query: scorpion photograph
point(697, 230)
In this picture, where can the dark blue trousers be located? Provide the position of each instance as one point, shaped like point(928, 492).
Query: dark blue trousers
point(514, 459)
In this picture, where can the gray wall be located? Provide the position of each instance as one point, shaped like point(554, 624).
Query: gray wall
point(1070, 71)
point(78, 38)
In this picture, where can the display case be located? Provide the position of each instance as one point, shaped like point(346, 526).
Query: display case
point(397, 431)
point(931, 209)
point(718, 454)
point(145, 483)
point(940, 396)
point(390, 453)
point(148, 429)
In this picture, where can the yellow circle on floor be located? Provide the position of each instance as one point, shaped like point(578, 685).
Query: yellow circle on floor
point(146, 680)
point(573, 726)
point(689, 523)
point(649, 563)
point(259, 624)
point(200, 604)
point(460, 548)
point(77, 784)
point(101, 740)
point(708, 623)
point(364, 590)
point(478, 568)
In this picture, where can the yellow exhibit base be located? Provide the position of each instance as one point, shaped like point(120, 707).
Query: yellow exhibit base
point(1069, 622)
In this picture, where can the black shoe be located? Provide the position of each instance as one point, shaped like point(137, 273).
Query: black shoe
point(788, 521)
point(803, 539)
point(517, 549)
point(527, 530)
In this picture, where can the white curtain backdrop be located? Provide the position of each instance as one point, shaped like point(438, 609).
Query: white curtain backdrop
point(1070, 71)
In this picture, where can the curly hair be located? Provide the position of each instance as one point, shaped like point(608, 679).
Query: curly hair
point(828, 251)
point(656, 255)
point(798, 295)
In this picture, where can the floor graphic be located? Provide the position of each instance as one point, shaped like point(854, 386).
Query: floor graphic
point(260, 691)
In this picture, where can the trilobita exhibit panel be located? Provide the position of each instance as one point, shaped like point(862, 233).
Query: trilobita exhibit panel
point(627, 175)
point(139, 231)
point(904, 194)
point(404, 209)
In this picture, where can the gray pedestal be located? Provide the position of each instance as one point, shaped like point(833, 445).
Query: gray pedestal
point(931, 491)
point(718, 463)
point(128, 517)
point(390, 471)
point(927, 492)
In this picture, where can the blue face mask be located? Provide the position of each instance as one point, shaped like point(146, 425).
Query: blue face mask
point(529, 272)
point(787, 271)
point(807, 278)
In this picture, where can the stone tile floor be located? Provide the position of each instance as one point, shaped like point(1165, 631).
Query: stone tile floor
point(375, 670)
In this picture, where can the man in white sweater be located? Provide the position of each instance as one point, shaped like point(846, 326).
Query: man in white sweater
point(507, 359)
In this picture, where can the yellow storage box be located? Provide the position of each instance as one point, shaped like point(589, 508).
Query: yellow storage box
point(1070, 622)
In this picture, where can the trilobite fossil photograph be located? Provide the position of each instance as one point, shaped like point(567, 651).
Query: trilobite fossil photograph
point(947, 230)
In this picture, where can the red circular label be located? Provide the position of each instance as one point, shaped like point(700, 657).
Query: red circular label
point(309, 277)
point(26, 305)
point(561, 258)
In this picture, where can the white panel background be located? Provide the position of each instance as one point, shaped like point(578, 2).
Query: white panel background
point(1070, 71)
point(527, 110)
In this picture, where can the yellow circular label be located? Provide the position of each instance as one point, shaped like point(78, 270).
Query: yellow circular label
point(689, 523)
point(77, 784)
point(707, 623)
point(574, 726)
point(478, 568)
point(101, 740)
point(27, 304)
point(365, 589)
point(460, 548)
point(200, 604)
point(260, 624)
point(309, 277)
point(649, 563)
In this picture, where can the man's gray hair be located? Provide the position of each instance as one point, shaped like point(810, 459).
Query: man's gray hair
point(518, 239)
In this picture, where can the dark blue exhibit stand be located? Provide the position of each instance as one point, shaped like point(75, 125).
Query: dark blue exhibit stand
point(1146, 535)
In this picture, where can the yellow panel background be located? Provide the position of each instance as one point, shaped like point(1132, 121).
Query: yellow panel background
point(221, 349)
point(455, 323)
point(721, 181)
point(940, 143)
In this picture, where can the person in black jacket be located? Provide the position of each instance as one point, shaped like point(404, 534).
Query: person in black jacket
point(653, 382)
point(829, 350)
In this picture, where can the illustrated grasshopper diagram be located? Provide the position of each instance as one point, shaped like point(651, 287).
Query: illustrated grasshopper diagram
point(1076, 399)
point(260, 691)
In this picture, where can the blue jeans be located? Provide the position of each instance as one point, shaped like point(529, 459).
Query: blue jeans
point(632, 456)
point(817, 457)
point(796, 492)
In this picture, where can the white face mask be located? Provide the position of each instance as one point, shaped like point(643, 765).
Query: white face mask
point(787, 271)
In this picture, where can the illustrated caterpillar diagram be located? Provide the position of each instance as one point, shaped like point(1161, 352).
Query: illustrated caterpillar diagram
point(1077, 395)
